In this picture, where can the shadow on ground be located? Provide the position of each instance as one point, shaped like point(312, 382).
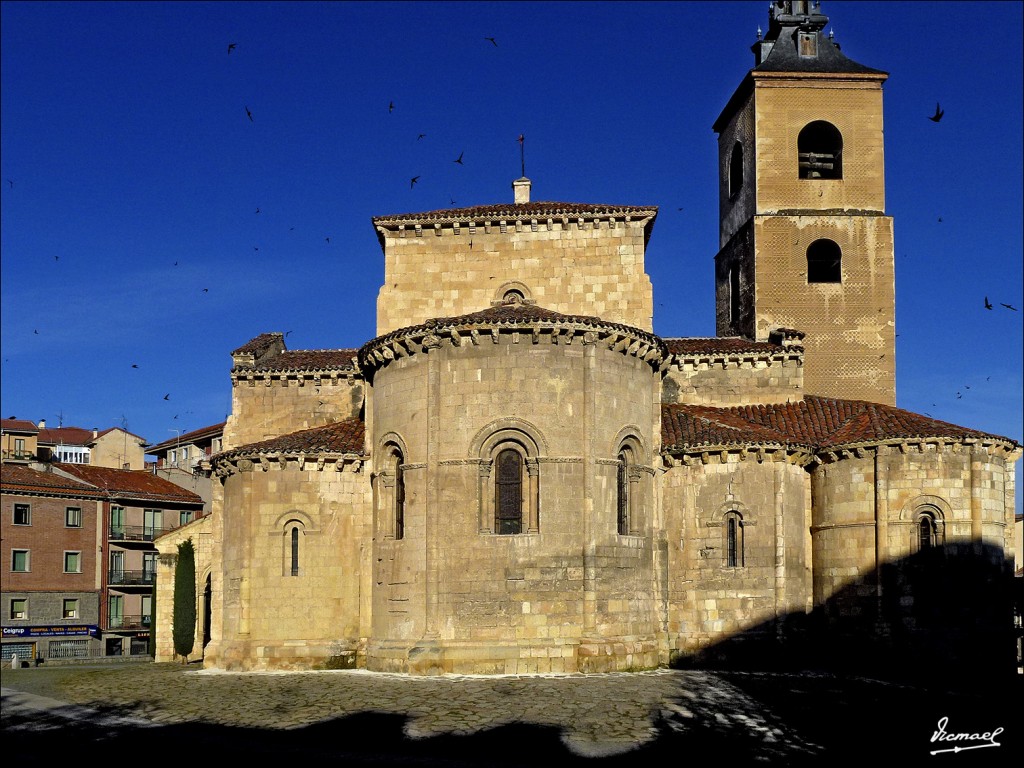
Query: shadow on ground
point(812, 719)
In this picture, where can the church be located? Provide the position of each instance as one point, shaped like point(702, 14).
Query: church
point(516, 475)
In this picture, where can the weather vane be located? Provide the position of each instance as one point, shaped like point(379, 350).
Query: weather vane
point(522, 156)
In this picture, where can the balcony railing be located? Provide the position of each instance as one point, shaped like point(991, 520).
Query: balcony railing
point(130, 622)
point(136, 532)
point(131, 578)
point(18, 455)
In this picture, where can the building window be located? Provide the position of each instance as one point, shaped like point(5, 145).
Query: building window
point(172, 458)
point(820, 149)
point(508, 492)
point(117, 522)
point(733, 540)
point(184, 455)
point(19, 609)
point(929, 532)
point(295, 551)
point(73, 454)
point(184, 517)
point(73, 517)
point(389, 487)
point(19, 448)
point(70, 609)
point(627, 490)
point(22, 514)
point(115, 611)
point(149, 560)
point(824, 262)
point(20, 560)
point(735, 170)
point(509, 477)
point(72, 562)
point(622, 494)
point(152, 523)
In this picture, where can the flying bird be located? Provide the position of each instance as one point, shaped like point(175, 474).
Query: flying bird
point(327, 239)
point(1008, 306)
point(231, 47)
point(56, 258)
point(493, 41)
point(412, 181)
point(459, 159)
point(175, 263)
point(939, 112)
point(988, 304)
point(257, 210)
point(250, 115)
point(134, 365)
point(421, 136)
point(206, 290)
point(286, 333)
point(391, 107)
point(451, 202)
point(36, 332)
point(167, 396)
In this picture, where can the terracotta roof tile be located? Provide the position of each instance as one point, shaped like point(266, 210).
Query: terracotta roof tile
point(18, 425)
point(309, 360)
point(258, 344)
point(130, 483)
point(518, 211)
point(818, 422)
point(77, 435)
point(340, 437)
point(509, 314)
point(18, 477)
point(188, 437)
point(730, 345)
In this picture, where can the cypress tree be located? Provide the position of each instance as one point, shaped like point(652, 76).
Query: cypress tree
point(184, 618)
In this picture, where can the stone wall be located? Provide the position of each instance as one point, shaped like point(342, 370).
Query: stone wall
point(266, 405)
point(453, 595)
point(709, 600)
point(268, 616)
point(582, 267)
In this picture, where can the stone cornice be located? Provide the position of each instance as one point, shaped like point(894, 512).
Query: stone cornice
point(722, 454)
point(458, 332)
point(294, 378)
point(255, 461)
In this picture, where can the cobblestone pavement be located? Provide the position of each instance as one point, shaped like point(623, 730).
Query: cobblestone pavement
point(373, 718)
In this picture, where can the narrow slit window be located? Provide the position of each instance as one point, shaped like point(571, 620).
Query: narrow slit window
point(733, 540)
point(735, 170)
point(295, 551)
point(622, 494)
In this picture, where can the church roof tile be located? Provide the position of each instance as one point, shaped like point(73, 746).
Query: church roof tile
point(821, 423)
point(340, 437)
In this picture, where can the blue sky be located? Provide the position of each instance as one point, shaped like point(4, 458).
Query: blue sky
point(131, 176)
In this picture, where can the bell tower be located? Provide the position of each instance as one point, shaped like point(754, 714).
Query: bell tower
point(804, 242)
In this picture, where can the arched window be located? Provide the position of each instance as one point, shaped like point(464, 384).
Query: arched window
point(622, 493)
point(508, 492)
point(733, 540)
point(389, 491)
point(928, 531)
point(295, 551)
point(820, 148)
point(399, 498)
point(824, 262)
point(735, 170)
point(507, 453)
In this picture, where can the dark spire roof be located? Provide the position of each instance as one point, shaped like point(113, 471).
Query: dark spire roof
point(796, 42)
